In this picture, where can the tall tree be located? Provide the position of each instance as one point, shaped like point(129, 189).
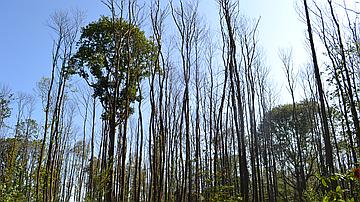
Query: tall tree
point(113, 57)
point(324, 121)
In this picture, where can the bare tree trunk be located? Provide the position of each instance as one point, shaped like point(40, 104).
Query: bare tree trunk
point(325, 127)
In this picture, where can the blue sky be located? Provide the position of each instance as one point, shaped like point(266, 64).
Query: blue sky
point(280, 27)
point(26, 41)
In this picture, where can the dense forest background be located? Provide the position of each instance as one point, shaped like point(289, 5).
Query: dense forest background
point(148, 104)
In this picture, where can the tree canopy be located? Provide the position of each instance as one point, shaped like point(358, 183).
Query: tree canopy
point(110, 50)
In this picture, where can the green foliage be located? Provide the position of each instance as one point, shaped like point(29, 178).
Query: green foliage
point(282, 120)
point(338, 187)
point(224, 193)
point(109, 51)
point(11, 193)
point(27, 128)
point(281, 123)
point(16, 175)
point(5, 109)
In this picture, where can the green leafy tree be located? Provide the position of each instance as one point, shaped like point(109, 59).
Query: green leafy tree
point(113, 57)
point(5, 109)
point(16, 168)
point(280, 124)
point(107, 50)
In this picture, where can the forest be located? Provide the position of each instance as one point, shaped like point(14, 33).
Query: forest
point(146, 104)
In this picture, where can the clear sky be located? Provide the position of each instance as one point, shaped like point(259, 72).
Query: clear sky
point(26, 41)
point(280, 27)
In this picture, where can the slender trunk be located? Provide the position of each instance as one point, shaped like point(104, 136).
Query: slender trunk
point(326, 132)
